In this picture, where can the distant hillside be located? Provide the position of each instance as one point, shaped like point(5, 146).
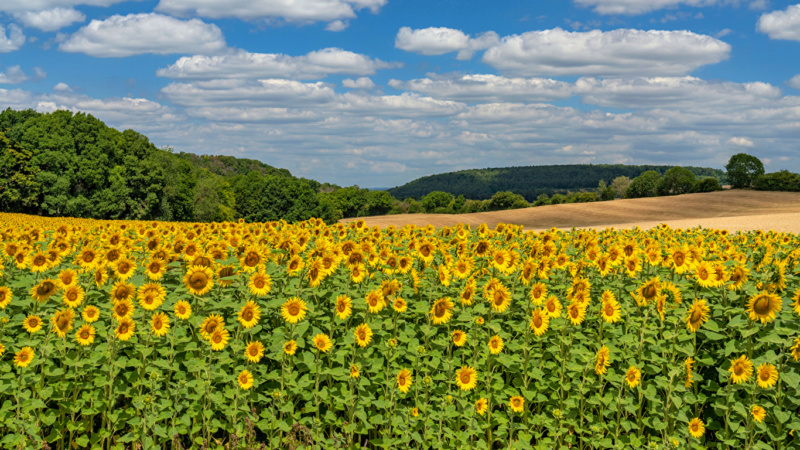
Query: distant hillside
point(229, 166)
point(530, 181)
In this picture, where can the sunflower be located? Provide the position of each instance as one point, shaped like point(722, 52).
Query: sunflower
point(444, 275)
point(159, 324)
point(245, 379)
point(155, 269)
point(260, 283)
point(37, 262)
point(122, 291)
point(32, 324)
point(697, 315)
point(125, 329)
point(633, 376)
point(63, 321)
point(462, 268)
point(210, 324)
point(219, 338)
point(124, 268)
point(399, 305)
point(648, 291)
point(122, 308)
point(67, 277)
point(73, 296)
point(5, 297)
point(468, 293)
point(552, 307)
point(23, 357)
point(689, 363)
point(442, 311)
point(323, 342)
point(796, 350)
point(294, 310)
point(576, 313)
point(704, 275)
point(466, 378)
point(151, 296)
point(680, 260)
point(602, 360)
point(354, 372)
point(254, 351)
point(481, 405)
point(738, 276)
point(795, 301)
point(183, 310)
point(495, 344)
point(758, 413)
point(375, 301)
point(741, 369)
point(100, 276)
point(767, 375)
point(357, 273)
point(764, 306)
point(290, 347)
point(517, 404)
point(344, 307)
point(499, 298)
point(85, 334)
point(295, 265)
point(199, 279)
point(610, 311)
point(42, 291)
point(249, 315)
point(363, 335)
point(459, 338)
point(404, 380)
point(697, 428)
point(540, 322)
point(538, 293)
point(90, 313)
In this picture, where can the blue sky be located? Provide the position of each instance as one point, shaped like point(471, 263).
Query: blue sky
point(380, 92)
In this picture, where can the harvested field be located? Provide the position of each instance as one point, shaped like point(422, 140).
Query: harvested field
point(731, 209)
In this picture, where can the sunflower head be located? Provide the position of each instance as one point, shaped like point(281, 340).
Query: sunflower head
point(294, 310)
point(466, 378)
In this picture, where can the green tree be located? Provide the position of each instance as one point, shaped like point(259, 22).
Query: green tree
point(743, 169)
point(707, 185)
point(677, 180)
point(620, 185)
point(507, 200)
point(436, 199)
point(19, 189)
point(214, 199)
point(645, 185)
point(378, 203)
point(606, 193)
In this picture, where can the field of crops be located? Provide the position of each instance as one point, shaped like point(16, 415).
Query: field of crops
point(241, 335)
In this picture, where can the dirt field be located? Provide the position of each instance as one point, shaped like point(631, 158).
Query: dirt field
point(731, 209)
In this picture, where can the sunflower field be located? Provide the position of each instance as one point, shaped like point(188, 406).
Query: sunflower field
point(273, 335)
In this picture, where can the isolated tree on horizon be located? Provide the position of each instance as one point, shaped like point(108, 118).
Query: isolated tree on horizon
point(743, 169)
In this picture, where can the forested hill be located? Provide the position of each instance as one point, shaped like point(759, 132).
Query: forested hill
point(530, 181)
point(65, 164)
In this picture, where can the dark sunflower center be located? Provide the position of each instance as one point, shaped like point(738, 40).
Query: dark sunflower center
point(293, 309)
point(465, 377)
point(252, 259)
point(247, 315)
point(85, 334)
point(697, 314)
point(609, 310)
point(198, 280)
point(39, 260)
point(72, 295)
point(537, 321)
point(762, 305)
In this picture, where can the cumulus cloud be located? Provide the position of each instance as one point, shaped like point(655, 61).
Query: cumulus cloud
point(361, 83)
point(242, 64)
point(404, 105)
point(261, 93)
point(438, 41)
point(289, 10)
point(11, 41)
point(740, 141)
point(783, 24)
point(62, 87)
point(674, 92)
point(120, 36)
point(632, 7)
point(13, 75)
point(337, 25)
point(50, 19)
point(794, 82)
point(487, 88)
point(557, 52)
point(14, 6)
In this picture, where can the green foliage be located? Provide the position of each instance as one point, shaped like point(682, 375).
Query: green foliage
point(606, 193)
point(676, 181)
point(507, 200)
point(214, 199)
point(530, 181)
point(778, 181)
point(620, 185)
point(743, 169)
point(436, 199)
point(707, 185)
point(645, 185)
point(260, 198)
point(18, 186)
point(542, 200)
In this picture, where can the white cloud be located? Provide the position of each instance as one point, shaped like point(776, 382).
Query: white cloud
point(674, 92)
point(242, 64)
point(134, 34)
point(15, 6)
point(50, 19)
point(289, 10)
point(337, 25)
point(618, 52)
point(740, 141)
point(13, 41)
point(632, 7)
point(404, 105)
point(438, 41)
point(62, 87)
point(361, 83)
point(487, 88)
point(261, 93)
point(13, 75)
point(794, 82)
point(783, 24)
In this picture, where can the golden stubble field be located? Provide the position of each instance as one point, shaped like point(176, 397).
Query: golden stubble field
point(733, 210)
